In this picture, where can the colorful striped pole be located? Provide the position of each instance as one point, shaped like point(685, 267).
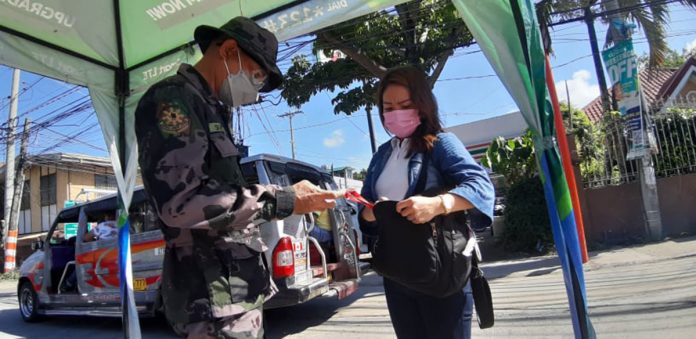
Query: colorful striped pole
point(10, 250)
point(565, 157)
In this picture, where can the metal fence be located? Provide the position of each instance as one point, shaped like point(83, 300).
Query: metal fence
point(673, 131)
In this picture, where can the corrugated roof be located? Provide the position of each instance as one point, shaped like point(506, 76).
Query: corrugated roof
point(651, 81)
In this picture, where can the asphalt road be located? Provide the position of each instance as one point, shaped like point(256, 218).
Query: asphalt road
point(641, 292)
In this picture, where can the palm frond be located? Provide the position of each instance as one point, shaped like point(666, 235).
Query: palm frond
point(690, 3)
point(654, 29)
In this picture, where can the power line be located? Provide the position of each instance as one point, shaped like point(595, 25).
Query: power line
point(614, 11)
point(24, 90)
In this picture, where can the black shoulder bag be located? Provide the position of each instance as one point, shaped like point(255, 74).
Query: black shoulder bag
point(429, 258)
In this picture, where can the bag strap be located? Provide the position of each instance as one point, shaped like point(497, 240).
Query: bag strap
point(483, 300)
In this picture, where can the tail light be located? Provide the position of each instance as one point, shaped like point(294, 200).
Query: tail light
point(283, 259)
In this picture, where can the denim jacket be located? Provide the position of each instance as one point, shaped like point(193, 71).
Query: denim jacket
point(449, 159)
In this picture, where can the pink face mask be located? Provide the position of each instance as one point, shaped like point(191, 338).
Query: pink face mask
point(402, 122)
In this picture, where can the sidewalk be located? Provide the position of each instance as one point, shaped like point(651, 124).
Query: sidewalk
point(637, 254)
point(7, 285)
point(642, 291)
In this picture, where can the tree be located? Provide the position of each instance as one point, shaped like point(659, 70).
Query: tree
point(424, 33)
point(649, 15)
point(512, 158)
point(526, 220)
point(360, 175)
point(588, 140)
point(673, 59)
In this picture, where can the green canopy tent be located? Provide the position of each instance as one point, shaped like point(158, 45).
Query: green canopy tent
point(118, 48)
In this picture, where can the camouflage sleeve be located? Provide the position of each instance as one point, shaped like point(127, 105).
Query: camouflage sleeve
point(173, 147)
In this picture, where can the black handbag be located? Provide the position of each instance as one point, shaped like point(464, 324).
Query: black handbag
point(429, 258)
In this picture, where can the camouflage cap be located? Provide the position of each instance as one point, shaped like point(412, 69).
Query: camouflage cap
point(254, 40)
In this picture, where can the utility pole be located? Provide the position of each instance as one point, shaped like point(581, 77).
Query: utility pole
point(289, 115)
point(11, 248)
point(570, 108)
point(10, 155)
point(648, 183)
point(599, 71)
point(373, 142)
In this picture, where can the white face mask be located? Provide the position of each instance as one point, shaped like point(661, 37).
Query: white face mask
point(239, 89)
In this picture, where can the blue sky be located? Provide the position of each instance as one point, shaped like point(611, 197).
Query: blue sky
point(324, 138)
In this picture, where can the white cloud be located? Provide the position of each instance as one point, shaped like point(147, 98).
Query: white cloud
point(581, 91)
point(690, 46)
point(336, 139)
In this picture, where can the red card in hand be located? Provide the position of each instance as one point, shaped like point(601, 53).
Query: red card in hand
point(355, 196)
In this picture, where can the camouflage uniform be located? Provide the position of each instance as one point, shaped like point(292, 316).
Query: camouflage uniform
point(214, 280)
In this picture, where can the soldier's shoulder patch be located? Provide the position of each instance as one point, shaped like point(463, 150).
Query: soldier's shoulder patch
point(172, 119)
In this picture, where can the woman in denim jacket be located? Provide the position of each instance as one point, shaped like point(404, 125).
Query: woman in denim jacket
point(408, 110)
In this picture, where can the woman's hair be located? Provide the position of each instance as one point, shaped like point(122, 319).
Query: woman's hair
point(422, 99)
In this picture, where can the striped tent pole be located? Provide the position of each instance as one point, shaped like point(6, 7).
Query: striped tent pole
point(10, 251)
point(566, 160)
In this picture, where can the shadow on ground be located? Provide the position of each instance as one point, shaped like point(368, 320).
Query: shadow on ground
point(296, 319)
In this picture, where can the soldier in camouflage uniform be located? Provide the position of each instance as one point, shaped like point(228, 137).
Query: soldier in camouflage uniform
point(214, 280)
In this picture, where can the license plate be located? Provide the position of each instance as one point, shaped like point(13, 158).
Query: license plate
point(139, 284)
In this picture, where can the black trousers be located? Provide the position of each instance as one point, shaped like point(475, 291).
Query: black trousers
point(416, 315)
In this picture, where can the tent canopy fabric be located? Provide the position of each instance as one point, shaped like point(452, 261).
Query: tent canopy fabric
point(118, 48)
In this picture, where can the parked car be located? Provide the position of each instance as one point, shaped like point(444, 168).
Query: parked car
point(69, 275)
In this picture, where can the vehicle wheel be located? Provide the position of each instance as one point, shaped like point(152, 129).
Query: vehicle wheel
point(28, 303)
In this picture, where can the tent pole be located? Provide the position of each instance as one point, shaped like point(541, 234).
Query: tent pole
point(129, 317)
point(566, 160)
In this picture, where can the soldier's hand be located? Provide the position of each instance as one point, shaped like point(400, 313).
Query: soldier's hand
point(310, 198)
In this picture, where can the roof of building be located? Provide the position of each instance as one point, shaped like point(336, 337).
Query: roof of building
point(69, 161)
point(342, 168)
point(477, 135)
point(671, 85)
point(651, 81)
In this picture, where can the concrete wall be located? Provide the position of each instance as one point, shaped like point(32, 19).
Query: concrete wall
point(614, 214)
point(35, 198)
point(678, 204)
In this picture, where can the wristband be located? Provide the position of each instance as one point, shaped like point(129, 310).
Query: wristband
point(444, 205)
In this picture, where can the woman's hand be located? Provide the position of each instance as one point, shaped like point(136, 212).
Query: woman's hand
point(367, 213)
point(420, 210)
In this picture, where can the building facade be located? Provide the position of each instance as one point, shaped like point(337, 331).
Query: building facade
point(54, 180)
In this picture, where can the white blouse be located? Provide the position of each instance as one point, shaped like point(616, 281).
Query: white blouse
point(392, 183)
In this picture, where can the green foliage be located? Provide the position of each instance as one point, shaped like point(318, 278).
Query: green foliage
point(678, 126)
point(11, 275)
point(423, 33)
point(513, 158)
point(675, 129)
point(673, 59)
point(360, 175)
point(652, 17)
point(527, 226)
point(588, 140)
